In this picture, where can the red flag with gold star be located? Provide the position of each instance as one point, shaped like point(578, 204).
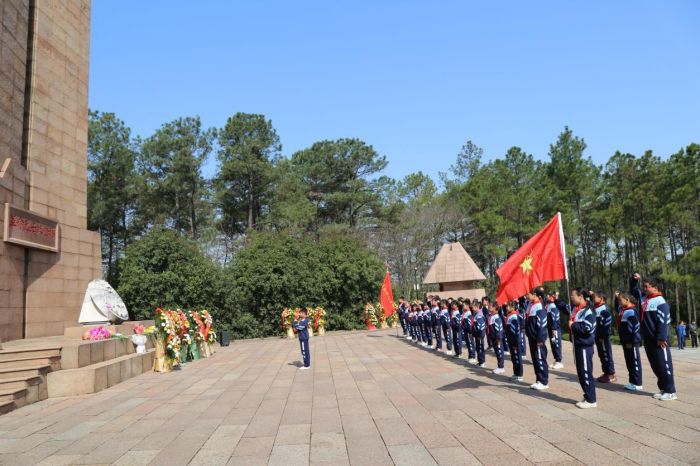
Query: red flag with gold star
point(541, 259)
point(386, 296)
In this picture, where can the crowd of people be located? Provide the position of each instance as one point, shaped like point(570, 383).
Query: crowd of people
point(643, 320)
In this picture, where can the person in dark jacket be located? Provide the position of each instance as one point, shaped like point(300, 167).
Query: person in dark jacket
point(680, 333)
point(582, 326)
point(403, 312)
point(478, 332)
point(302, 329)
point(536, 330)
point(628, 327)
point(693, 330)
point(495, 329)
point(467, 332)
point(513, 323)
point(655, 322)
point(456, 327)
point(554, 329)
point(603, 328)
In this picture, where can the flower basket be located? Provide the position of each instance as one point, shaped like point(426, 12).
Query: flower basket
point(194, 351)
point(290, 333)
point(369, 316)
point(321, 330)
point(318, 320)
point(393, 319)
point(204, 349)
point(161, 362)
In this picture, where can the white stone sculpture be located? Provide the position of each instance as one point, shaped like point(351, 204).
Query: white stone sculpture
point(102, 304)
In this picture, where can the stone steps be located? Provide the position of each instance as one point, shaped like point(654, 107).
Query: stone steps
point(26, 371)
point(53, 361)
point(19, 382)
point(96, 377)
point(15, 353)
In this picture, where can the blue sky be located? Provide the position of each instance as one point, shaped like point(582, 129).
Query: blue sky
point(413, 79)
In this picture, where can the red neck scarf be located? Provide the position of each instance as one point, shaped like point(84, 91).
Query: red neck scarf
point(646, 303)
point(576, 309)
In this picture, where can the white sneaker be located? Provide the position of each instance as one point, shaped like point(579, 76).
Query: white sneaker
point(424, 344)
point(303, 368)
point(586, 405)
point(499, 370)
point(507, 353)
point(557, 365)
point(668, 397)
point(632, 387)
point(440, 350)
point(516, 378)
point(482, 365)
point(450, 353)
point(657, 396)
point(472, 360)
point(539, 386)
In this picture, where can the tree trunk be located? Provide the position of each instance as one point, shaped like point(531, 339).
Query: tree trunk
point(678, 302)
point(250, 202)
point(687, 299)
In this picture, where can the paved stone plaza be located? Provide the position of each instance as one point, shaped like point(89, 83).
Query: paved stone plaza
point(371, 398)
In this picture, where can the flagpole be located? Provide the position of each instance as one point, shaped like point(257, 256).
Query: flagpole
point(566, 274)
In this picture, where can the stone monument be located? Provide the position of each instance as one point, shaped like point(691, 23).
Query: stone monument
point(456, 273)
point(47, 254)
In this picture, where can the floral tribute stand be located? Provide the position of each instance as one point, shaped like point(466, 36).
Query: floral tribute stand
point(369, 316)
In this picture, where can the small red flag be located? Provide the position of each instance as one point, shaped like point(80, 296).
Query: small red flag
point(386, 297)
point(542, 258)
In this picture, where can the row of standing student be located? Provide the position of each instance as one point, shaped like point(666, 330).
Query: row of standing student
point(537, 316)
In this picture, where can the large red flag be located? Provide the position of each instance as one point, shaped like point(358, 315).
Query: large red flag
point(386, 297)
point(542, 258)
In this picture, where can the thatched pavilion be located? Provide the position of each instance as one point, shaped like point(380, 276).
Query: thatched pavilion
point(456, 273)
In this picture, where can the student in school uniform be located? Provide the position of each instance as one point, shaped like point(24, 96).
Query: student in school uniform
point(445, 326)
point(603, 327)
point(403, 312)
point(302, 328)
point(456, 327)
point(435, 322)
point(479, 332)
point(420, 322)
point(427, 325)
point(495, 329)
point(536, 330)
point(523, 304)
point(554, 330)
point(467, 332)
point(582, 326)
point(486, 310)
point(513, 324)
point(628, 327)
point(655, 322)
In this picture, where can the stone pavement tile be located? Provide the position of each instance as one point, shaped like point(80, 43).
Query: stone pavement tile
point(25, 430)
point(367, 450)
point(248, 461)
point(297, 413)
point(156, 441)
point(36, 454)
point(255, 447)
point(263, 425)
point(456, 420)
point(86, 444)
point(206, 457)
point(25, 444)
point(535, 449)
point(325, 401)
point(644, 455)
point(297, 434)
point(326, 420)
point(410, 455)
point(224, 439)
point(482, 442)
point(328, 447)
point(289, 455)
point(383, 410)
point(359, 425)
point(272, 406)
point(239, 416)
point(449, 456)
point(499, 460)
point(350, 406)
point(585, 452)
point(396, 432)
point(136, 458)
point(59, 460)
point(434, 435)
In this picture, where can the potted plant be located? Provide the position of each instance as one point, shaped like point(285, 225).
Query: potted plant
point(139, 338)
point(319, 320)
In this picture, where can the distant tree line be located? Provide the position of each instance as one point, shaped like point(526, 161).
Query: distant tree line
point(634, 213)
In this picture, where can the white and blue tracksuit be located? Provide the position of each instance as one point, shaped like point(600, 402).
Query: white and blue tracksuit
point(435, 322)
point(495, 329)
point(602, 338)
point(455, 325)
point(467, 333)
point(444, 322)
point(630, 337)
point(656, 320)
point(583, 329)
point(478, 332)
point(419, 326)
point(428, 327)
point(513, 324)
point(522, 311)
point(303, 333)
point(536, 330)
point(554, 329)
point(402, 318)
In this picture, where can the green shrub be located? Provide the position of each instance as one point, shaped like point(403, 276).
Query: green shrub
point(164, 269)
